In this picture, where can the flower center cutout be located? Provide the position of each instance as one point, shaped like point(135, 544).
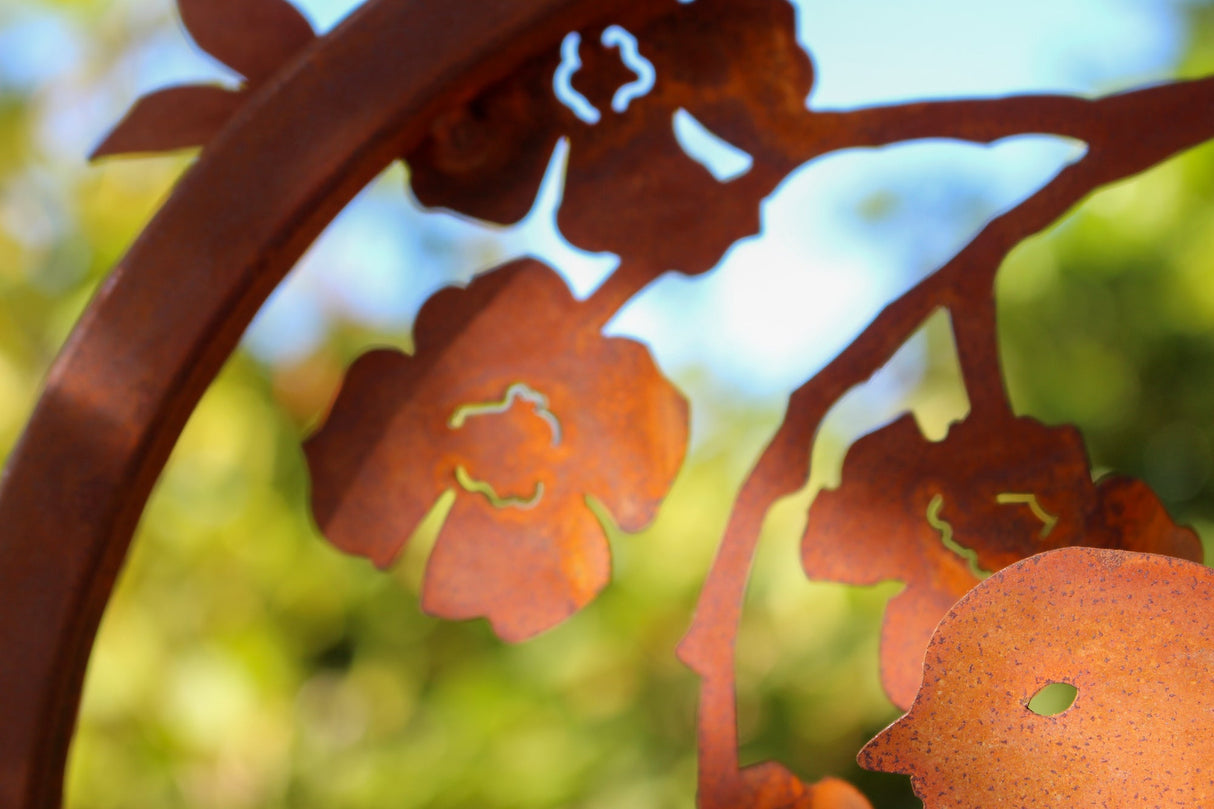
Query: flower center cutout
point(949, 541)
point(969, 555)
point(471, 484)
point(641, 70)
point(517, 393)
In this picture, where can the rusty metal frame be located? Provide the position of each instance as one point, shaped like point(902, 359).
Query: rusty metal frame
point(175, 306)
point(416, 78)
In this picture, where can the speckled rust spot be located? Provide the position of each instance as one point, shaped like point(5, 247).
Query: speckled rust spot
point(1130, 631)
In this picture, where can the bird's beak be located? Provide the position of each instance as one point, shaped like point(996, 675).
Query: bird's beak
point(893, 750)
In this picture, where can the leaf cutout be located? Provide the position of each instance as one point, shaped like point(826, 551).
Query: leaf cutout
point(1001, 491)
point(253, 37)
point(1129, 631)
point(402, 429)
point(173, 118)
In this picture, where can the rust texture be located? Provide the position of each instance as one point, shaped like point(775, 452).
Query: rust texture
point(1119, 627)
point(595, 418)
point(516, 401)
point(996, 492)
point(630, 189)
point(174, 308)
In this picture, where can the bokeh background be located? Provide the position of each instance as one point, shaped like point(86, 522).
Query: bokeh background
point(245, 663)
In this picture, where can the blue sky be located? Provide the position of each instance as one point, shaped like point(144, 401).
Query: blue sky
point(780, 305)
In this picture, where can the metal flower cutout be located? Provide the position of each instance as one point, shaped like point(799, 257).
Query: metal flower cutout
point(735, 65)
point(515, 400)
point(253, 37)
point(514, 394)
point(1129, 632)
point(940, 516)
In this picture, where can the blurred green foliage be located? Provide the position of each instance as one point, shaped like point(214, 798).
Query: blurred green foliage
point(244, 663)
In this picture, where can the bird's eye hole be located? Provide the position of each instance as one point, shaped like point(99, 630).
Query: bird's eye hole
point(1052, 699)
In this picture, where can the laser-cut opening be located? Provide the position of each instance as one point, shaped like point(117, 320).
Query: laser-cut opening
point(946, 537)
point(622, 40)
point(471, 484)
point(614, 36)
point(562, 81)
point(723, 160)
point(519, 391)
point(1053, 699)
point(1048, 520)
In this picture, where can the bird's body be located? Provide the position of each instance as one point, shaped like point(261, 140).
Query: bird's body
point(1130, 631)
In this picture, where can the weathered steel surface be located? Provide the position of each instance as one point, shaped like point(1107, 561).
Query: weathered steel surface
point(175, 306)
point(599, 421)
point(463, 89)
point(630, 188)
point(1122, 138)
point(996, 491)
point(1131, 632)
point(253, 37)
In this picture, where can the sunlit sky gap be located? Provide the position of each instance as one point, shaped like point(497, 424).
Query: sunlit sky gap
point(780, 305)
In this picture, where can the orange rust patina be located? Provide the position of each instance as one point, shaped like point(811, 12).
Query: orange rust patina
point(1129, 631)
point(463, 90)
point(595, 418)
point(940, 515)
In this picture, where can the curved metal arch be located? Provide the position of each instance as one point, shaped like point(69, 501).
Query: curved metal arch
point(174, 308)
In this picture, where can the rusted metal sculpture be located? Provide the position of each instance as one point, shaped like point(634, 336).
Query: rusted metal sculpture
point(1121, 629)
point(941, 515)
point(602, 422)
point(253, 37)
point(525, 424)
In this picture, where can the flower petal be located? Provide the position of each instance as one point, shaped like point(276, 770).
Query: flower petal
point(524, 570)
point(488, 158)
point(367, 496)
point(937, 515)
point(630, 428)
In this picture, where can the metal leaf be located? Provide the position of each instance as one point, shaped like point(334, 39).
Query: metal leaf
point(170, 119)
point(253, 37)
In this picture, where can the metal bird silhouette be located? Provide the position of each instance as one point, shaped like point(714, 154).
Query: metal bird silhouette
point(1128, 631)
